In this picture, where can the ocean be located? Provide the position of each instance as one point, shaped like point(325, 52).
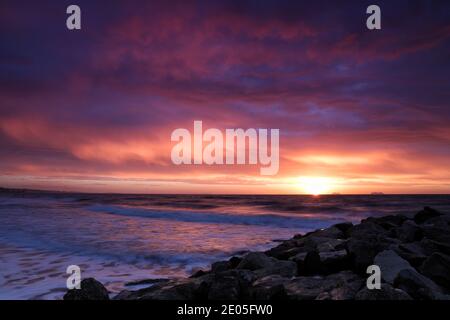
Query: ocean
point(120, 239)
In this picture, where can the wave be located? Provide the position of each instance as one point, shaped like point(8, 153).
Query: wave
point(263, 220)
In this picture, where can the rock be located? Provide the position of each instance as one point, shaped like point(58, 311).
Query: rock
point(124, 295)
point(308, 263)
point(344, 227)
point(304, 288)
point(283, 252)
point(341, 286)
point(178, 289)
point(425, 214)
point(391, 264)
point(363, 251)
point(388, 222)
point(431, 246)
point(437, 268)
point(264, 265)
point(409, 232)
point(234, 262)
point(286, 249)
point(231, 285)
point(331, 232)
point(331, 245)
point(269, 288)
point(145, 281)
point(280, 267)
point(255, 261)
point(437, 233)
point(334, 261)
point(314, 263)
point(367, 240)
point(220, 266)
point(91, 289)
point(412, 252)
point(198, 273)
point(387, 292)
point(418, 286)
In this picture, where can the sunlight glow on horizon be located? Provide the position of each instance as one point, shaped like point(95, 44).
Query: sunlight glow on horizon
point(317, 185)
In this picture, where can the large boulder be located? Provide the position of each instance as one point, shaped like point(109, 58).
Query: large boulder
point(418, 286)
point(391, 264)
point(231, 285)
point(280, 267)
point(426, 214)
point(363, 251)
point(269, 288)
point(409, 231)
point(413, 252)
point(386, 292)
point(334, 261)
point(90, 289)
point(308, 263)
point(431, 246)
point(438, 233)
point(264, 265)
point(437, 268)
point(340, 286)
point(255, 260)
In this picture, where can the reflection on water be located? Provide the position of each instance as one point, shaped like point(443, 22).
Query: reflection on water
point(123, 238)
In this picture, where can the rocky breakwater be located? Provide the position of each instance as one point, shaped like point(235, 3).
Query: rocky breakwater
point(413, 253)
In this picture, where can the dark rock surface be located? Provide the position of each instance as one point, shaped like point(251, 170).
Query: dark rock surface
point(90, 289)
point(412, 251)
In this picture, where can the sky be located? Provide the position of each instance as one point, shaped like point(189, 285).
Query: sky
point(92, 110)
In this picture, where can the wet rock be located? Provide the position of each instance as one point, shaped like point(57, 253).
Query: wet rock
point(91, 289)
point(409, 232)
point(437, 268)
point(387, 292)
point(391, 264)
point(426, 214)
point(418, 286)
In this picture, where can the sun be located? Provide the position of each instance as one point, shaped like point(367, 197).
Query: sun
point(316, 185)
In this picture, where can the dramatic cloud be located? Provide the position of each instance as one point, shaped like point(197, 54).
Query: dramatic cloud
point(93, 110)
